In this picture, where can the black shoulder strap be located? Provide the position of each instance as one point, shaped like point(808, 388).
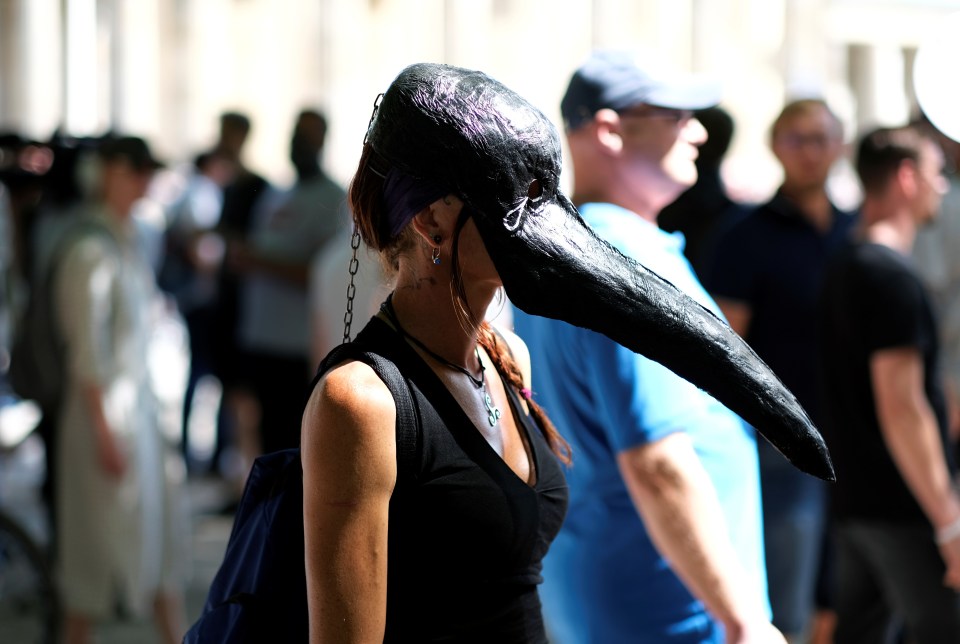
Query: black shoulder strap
point(408, 420)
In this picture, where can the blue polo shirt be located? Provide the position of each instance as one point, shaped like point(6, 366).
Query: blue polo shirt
point(603, 579)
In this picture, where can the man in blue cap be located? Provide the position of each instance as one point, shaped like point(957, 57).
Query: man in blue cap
point(663, 539)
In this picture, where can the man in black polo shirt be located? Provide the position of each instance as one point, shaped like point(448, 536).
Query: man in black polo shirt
point(896, 512)
point(766, 278)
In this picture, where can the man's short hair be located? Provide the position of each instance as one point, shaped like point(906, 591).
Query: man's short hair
point(235, 120)
point(316, 116)
point(720, 127)
point(804, 106)
point(883, 150)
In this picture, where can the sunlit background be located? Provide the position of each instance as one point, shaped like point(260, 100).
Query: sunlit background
point(164, 69)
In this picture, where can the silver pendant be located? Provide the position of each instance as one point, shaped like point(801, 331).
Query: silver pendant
point(493, 414)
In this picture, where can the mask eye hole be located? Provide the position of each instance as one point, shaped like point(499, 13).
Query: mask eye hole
point(535, 190)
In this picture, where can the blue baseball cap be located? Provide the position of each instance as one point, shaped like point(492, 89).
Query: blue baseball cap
point(613, 80)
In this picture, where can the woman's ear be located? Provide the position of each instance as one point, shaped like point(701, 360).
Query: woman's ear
point(439, 219)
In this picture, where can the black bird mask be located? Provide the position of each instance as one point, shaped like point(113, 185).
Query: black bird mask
point(462, 130)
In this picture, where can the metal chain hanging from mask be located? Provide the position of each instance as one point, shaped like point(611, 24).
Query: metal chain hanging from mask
point(351, 287)
point(355, 244)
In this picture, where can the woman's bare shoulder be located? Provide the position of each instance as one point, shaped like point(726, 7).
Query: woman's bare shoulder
point(353, 386)
point(519, 351)
point(350, 417)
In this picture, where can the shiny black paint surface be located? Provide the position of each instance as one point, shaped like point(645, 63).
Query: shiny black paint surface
point(488, 145)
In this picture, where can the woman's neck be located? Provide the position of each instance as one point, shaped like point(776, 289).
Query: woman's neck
point(426, 310)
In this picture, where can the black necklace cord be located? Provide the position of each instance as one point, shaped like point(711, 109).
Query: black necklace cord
point(479, 383)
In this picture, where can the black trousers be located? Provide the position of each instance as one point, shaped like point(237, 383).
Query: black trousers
point(280, 384)
point(888, 575)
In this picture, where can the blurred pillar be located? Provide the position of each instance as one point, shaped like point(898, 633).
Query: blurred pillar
point(674, 29)
point(36, 107)
point(743, 46)
point(712, 49)
point(135, 69)
point(81, 105)
point(805, 50)
point(8, 72)
point(171, 95)
point(660, 32)
point(467, 32)
point(206, 69)
point(349, 94)
point(877, 76)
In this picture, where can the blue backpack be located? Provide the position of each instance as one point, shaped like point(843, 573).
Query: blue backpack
point(259, 594)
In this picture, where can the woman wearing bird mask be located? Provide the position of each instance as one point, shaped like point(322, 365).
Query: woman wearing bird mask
point(457, 190)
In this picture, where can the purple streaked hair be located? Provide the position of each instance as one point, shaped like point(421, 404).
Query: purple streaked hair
point(405, 196)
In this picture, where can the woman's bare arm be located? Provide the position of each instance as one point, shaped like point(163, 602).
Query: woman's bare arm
point(348, 446)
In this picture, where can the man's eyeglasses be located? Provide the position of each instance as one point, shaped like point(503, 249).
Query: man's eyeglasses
point(796, 141)
point(651, 112)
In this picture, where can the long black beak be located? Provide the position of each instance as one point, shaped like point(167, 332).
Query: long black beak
point(554, 266)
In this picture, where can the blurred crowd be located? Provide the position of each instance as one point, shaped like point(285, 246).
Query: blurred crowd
point(163, 281)
point(142, 283)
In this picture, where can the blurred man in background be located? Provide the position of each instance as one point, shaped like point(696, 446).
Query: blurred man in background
point(705, 210)
point(115, 509)
point(662, 540)
point(274, 323)
point(766, 277)
point(896, 511)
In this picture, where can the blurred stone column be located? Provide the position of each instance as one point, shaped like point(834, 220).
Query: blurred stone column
point(135, 99)
point(206, 69)
point(877, 76)
point(36, 98)
point(467, 32)
point(8, 72)
point(659, 31)
point(349, 95)
point(739, 41)
point(805, 49)
point(81, 110)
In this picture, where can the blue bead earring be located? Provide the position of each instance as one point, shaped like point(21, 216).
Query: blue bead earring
point(436, 250)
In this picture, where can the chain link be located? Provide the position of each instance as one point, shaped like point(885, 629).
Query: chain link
point(355, 242)
point(351, 287)
point(373, 116)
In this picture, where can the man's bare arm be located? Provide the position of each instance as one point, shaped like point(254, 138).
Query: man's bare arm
point(738, 314)
point(910, 431)
point(681, 511)
point(111, 458)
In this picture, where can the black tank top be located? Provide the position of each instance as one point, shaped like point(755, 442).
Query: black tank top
point(466, 534)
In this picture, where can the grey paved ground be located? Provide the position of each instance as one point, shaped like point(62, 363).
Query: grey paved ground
point(209, 533)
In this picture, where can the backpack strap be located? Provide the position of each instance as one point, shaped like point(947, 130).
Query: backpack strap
point(82, 227)
point(408, 418)
point(76, 231)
